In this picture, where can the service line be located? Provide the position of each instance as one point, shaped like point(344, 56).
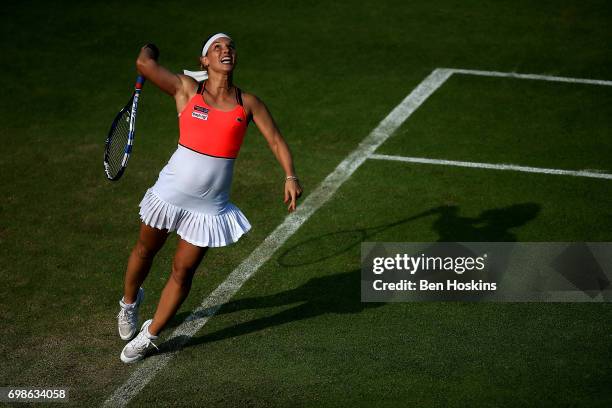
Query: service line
point(511, 167)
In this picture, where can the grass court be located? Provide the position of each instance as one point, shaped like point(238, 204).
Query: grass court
point(296, 333)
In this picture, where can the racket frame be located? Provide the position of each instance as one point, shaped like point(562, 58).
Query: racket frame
point(133, 105)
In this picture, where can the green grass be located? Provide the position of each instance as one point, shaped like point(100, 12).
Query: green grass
point(563, 126)
point(296, 334)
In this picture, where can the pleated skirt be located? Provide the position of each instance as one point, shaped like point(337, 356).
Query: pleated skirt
point(191, 197)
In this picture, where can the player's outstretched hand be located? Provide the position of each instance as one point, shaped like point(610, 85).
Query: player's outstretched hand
point(293, 191)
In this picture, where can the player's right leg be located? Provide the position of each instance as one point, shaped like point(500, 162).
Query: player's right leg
point(150, 241)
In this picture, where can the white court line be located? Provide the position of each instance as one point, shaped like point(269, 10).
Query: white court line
point(224, 292)
point(531, 76)
point(512, 167)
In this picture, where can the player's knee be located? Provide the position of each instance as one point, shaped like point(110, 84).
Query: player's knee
point(143, 251)
point(182, 274)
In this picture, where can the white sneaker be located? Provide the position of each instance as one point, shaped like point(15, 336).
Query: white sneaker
point(127, 319)
point(137, 349)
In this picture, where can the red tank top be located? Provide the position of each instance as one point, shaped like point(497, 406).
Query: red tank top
point(211, 131)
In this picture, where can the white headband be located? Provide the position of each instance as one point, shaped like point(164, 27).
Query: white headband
point(211, 40)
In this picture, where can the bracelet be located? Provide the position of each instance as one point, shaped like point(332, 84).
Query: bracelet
point(292, 178)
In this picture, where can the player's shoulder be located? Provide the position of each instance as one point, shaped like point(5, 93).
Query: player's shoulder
point(187, 81)
point(188, 85)
point(250, 99)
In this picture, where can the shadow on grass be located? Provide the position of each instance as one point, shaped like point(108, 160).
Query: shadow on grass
point(490, 226)
point(339, 293)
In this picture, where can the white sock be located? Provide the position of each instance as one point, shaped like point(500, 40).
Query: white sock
point(149, 335)
point(128, 305)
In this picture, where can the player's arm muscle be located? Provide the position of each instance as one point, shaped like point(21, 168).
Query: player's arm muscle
point(266, 125)
point(148, 67)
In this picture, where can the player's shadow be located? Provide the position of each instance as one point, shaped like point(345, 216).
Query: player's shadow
point(493, 225)
point(340, 293)
point(332, 244)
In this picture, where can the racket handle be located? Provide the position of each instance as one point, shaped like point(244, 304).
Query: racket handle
point(140, 81)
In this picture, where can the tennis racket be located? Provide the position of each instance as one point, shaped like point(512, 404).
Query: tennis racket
point(121, 136)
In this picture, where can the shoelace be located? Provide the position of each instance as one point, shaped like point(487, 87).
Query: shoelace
point(126, 316)
point(141, 342)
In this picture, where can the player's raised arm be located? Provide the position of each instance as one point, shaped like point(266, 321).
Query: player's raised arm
point(147, 66)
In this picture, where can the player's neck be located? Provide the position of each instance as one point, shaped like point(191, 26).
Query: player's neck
point(219, 84)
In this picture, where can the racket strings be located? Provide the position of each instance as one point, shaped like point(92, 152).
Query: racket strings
point(116, 148)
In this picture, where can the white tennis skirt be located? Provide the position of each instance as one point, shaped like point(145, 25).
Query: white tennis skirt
point(191, 197)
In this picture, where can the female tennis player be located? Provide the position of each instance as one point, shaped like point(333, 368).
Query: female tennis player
point(191, 195)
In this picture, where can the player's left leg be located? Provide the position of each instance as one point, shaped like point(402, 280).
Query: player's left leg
point(187, 258)
point(150, 241)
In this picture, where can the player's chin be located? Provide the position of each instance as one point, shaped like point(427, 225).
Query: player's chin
point(227, 67)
